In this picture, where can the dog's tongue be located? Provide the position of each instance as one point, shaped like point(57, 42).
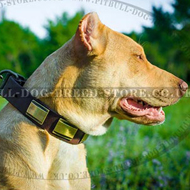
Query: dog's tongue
point(134, 104)
point(137, 108)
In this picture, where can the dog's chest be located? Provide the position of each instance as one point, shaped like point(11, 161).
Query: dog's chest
point(69, 161)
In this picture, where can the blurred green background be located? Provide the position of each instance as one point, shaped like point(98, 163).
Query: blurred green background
point(167, 45)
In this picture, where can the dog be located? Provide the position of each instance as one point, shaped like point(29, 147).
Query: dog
point(95, 57)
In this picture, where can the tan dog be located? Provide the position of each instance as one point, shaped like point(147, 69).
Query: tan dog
point(96, 57)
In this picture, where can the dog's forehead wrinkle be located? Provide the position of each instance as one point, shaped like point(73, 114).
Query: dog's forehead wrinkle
point(124, 44)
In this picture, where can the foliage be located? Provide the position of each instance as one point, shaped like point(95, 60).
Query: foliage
point(18, 48)
point(2, 103)
point(60, 31)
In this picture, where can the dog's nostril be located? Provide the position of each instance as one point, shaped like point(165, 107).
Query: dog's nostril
point(183, 86)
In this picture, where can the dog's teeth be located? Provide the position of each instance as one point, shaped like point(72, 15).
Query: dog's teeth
point(159, 110)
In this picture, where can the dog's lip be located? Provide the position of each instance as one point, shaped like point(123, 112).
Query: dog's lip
point(138, 108)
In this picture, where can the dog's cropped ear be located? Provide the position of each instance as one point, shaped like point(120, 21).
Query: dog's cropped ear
point(90, 35)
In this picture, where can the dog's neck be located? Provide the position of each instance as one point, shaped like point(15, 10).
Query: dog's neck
point(58, 72)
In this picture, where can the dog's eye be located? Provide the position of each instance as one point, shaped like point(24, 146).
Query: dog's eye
point(140, 57)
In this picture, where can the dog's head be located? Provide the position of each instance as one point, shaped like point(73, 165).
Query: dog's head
point(115, 70)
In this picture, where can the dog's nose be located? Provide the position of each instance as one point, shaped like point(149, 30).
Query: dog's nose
point(183, 87)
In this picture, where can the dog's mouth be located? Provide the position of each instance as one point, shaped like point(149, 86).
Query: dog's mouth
point(138, 108)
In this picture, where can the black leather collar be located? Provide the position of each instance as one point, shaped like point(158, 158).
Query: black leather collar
point(36, 111)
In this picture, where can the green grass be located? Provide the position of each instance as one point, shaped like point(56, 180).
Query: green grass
point(126, 141)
